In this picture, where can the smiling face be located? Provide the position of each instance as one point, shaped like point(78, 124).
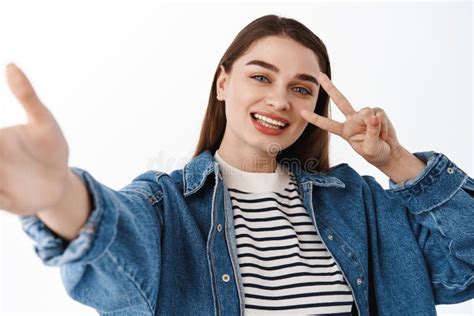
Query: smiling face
point(275, 78)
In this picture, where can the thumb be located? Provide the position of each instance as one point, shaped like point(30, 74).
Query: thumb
point(24, 92)
point(373, 131)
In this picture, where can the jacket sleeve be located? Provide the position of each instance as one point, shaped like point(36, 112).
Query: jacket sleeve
point(440, 201)
point(114, 263)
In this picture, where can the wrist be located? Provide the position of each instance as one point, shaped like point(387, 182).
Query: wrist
point(402, 166)
point(67, 217)
point(65, 189)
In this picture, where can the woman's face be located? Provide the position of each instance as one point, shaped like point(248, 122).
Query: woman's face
point(275, 78)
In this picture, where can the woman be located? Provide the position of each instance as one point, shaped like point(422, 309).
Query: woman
point(257, 222)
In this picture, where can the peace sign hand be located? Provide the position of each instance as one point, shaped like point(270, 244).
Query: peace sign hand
point(368, 131)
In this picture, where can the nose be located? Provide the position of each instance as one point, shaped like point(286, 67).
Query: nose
point(278, 100)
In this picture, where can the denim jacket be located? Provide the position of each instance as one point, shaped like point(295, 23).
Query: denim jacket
point(165, 243)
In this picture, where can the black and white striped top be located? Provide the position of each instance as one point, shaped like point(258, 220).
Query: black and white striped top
point(285, 267)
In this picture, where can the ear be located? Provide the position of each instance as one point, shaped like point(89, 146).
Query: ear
point(221, 84)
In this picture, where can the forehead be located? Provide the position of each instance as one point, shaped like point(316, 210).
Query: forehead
point(285, 53)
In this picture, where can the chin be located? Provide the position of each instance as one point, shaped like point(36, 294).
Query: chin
point(274, 147)
point(268, 145)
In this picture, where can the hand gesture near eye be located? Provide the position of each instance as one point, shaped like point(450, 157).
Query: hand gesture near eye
point(33, 157)
point(368, 131)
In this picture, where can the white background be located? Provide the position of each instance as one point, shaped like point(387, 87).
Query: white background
point(129, 84)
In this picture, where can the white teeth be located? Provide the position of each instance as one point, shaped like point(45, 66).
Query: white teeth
point(268, 125)
point(269, 120)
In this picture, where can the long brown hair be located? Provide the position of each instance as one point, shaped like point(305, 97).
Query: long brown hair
point(313, 144)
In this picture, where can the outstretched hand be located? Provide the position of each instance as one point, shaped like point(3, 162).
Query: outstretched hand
point(368, 131)
point(33, 156)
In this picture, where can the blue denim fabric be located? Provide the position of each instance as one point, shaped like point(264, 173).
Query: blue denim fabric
point(162, 244)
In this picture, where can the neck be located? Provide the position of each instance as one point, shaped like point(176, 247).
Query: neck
point(248, 160)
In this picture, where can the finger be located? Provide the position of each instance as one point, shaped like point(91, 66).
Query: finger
point(384, 121)
point(364, 115)
point(339, 99)
point(323, 122)
point(24, 92)
point(372, 137)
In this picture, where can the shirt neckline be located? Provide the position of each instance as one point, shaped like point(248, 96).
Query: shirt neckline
point(254, 182)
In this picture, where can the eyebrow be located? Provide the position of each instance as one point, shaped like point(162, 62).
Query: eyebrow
point(261, 63)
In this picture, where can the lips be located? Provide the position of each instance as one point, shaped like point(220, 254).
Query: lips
point(266, 130)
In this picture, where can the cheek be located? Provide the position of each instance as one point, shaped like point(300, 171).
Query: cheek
point(308, 106)
point(246, 92)
point(236, 114)
point(239, 96)
point(300, 123)
point(300, 126)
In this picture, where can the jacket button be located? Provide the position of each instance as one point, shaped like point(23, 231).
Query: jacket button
point(225, 277)
point(450, 170)
point(359, 281)
point(330, 237)
point(219, 227)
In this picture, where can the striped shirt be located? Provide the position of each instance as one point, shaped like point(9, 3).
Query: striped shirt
point(284, 266)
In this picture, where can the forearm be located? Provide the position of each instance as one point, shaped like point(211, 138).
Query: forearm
point(403, 166)
point(70, 214)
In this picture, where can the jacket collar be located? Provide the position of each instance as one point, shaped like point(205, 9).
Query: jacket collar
point(195, 173)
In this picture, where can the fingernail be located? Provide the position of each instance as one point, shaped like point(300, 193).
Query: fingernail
point(374, 121)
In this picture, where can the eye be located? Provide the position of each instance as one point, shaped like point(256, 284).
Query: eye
point(259, 76)
point(307, 92)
